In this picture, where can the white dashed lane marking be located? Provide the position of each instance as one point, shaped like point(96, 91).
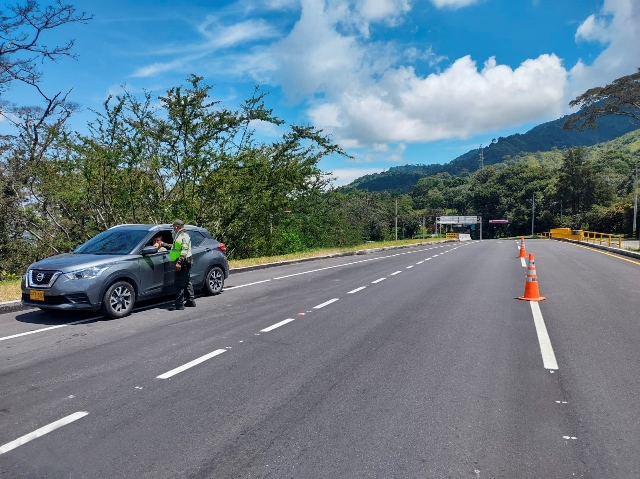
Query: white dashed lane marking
point(277, 325)
point(191, 364)
point(326, 303)
point(42, 431)
point(356, 290)
point(48, 329)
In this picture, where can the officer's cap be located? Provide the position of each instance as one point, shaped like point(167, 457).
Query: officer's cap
point(178, 223)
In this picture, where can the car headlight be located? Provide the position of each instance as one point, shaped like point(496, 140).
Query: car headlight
point(87, 273)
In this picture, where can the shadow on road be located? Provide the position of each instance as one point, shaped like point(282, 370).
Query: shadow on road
point(53, 317)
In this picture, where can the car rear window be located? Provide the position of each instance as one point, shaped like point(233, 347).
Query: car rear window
point(118, 241)
point(196, 238)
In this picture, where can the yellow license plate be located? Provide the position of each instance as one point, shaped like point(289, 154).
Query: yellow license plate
point(36, 295)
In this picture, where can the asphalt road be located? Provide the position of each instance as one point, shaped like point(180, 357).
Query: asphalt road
point(415, 363)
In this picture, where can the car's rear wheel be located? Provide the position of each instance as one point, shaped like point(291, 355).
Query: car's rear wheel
point(118, 300)
point(214, 280)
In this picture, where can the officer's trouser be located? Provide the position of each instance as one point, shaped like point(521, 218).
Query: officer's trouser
point(182, 284)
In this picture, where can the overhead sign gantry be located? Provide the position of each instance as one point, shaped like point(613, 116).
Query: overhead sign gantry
point(460, 220)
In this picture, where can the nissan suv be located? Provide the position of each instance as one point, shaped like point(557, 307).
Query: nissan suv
point(119, 267)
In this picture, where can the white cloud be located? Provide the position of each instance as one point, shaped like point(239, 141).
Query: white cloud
point(156, 68)
point(453, 3)
point(344, 176)
point(314, 57)
point(593, 29)
point(413, 54)
point(386, 11)
point(213, 37)
point(375, 10)
point(617, 24)
point(459, 102)
point(223, 36)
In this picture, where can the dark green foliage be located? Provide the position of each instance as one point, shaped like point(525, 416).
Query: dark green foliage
point(181, 155)
point(620, 98)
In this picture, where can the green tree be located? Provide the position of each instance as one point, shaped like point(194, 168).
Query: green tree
point(575, 181)
point(29, 222)
point(621, 97)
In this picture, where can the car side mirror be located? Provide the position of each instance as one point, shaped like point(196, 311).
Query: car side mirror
point(147, 250)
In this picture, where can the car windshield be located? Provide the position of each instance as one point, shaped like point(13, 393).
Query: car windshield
point(118, 241)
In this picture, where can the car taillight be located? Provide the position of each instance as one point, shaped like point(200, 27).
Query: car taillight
point(222, 247)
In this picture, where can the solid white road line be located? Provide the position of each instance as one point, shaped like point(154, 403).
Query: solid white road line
point(548, 358)
point(356, 290)
point(326, 303)
point(277, 325)
point(248, 284)
point(347, 264)
point(378, 280)
point(330, 267)
point(42, 431)
point(191, 364)
point(524, 263)
point(47, 329)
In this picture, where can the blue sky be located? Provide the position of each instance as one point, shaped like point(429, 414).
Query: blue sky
point(393, 82)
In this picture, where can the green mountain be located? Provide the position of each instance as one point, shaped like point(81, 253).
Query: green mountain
point(544, 137)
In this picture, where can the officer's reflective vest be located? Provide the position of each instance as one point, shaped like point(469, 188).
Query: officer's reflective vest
point(176, 248)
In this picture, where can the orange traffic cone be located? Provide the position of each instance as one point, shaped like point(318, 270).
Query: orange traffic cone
point(531, 292)
point(523, 251)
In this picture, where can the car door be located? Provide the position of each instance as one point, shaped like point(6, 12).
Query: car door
point(198, 251)
point(156, 270)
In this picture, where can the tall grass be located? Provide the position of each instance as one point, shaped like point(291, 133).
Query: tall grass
point(9, 290)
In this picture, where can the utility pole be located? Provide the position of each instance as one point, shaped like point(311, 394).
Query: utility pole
point(481, 158)
point(396, 219)
point(635, 201)
point(533, 212)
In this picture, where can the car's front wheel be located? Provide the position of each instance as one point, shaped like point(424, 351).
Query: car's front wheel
point(214, 280)
point(118, 300)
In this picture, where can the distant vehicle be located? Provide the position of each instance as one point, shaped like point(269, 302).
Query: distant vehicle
point(119, 267)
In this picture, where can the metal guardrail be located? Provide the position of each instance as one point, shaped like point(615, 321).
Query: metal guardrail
point(593, 236)
point(587, 236)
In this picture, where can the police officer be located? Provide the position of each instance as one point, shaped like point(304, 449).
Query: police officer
point(181, 254)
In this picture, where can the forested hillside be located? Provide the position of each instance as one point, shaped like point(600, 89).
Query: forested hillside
point(544, 137)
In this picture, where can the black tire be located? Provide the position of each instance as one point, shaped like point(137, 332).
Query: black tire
point(214, 281)
point(118, 300)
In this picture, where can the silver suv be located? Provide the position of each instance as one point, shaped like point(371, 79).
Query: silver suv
point(119, 267)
